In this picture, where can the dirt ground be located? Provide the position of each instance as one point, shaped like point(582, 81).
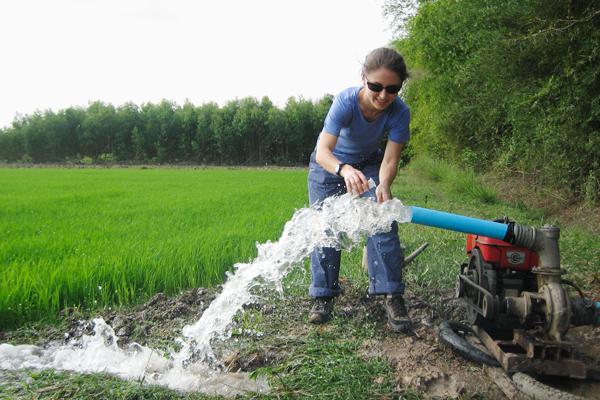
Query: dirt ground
point(420, 361)
point(424, 363)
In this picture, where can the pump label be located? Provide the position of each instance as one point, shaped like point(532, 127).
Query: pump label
point(515, 257)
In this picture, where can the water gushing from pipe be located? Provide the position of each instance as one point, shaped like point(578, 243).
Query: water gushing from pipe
point(338, 222)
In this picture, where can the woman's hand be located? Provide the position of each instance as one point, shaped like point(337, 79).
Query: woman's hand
point(383, 193)
point(356, 182)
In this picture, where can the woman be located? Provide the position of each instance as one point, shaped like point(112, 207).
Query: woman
point(347, 154)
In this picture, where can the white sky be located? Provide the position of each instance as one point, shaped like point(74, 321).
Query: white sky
point(61, 53)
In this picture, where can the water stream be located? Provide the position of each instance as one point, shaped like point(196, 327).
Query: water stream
point(340, 222)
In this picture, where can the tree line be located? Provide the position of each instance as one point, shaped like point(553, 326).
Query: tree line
point(242, 132)
point(511, 86)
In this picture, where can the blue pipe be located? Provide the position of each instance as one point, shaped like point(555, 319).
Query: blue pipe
point(459, 223)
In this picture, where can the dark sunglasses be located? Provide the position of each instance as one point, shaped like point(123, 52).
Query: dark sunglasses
point(391, 89)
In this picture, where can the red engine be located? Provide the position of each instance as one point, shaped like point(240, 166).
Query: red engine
point(502, 254)
point(495, 271)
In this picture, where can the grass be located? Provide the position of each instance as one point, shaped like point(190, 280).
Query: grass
point(336, 368)
point(460, 182)
point(103, 237)
point(53, 385)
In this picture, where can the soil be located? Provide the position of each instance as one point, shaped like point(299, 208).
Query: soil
point(421, 363)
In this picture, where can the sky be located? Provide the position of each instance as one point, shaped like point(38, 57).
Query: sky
point(62, 53)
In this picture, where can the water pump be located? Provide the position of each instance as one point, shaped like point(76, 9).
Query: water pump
point(515, 296)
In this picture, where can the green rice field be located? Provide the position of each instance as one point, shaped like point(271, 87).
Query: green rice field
point(95, 237)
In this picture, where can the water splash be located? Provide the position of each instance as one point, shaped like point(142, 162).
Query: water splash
point(338, 222)
point(99, 353)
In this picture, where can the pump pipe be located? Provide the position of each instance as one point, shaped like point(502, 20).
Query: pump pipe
point(544, 240)
point(459, 223)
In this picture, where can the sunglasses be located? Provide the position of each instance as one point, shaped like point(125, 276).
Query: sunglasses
point(391, 89)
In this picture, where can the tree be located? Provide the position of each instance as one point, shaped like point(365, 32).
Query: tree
point(204, 143)
point(127, 121)
point(227, 137)
point(187, 118)
point(169, 146)
point(98, 129)
point(304, 132)
point(12, 145)
point(245, 131)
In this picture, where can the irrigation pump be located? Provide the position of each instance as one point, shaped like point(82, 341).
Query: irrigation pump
point(515, 296)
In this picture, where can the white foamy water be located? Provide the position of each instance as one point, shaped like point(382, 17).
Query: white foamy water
point(341, 222)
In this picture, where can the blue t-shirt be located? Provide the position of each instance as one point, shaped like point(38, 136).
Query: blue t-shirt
point(358, 138)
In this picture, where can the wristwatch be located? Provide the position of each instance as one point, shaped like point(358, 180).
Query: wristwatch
point(338, 169)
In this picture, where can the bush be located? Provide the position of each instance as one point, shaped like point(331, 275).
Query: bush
point(106, 158)
point(507, 85)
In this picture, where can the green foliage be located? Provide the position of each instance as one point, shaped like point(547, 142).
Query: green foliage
point(100, 237)
point(435, 170)
point(591, 190)
point(460, 181)
point(506, 85)
point(244, 131)
point(106, 158)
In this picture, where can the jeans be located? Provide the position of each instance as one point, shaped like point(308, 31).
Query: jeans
point(385, 256)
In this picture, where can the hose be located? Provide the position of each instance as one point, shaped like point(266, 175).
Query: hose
point(449, 336)
point(574, 286)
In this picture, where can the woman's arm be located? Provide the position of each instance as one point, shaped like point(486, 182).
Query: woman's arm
point(388, 170)
point(355, 180)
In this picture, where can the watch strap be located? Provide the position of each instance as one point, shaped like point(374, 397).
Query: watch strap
point(338, 170)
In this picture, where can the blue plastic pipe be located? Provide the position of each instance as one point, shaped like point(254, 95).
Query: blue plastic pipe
point(459, 223)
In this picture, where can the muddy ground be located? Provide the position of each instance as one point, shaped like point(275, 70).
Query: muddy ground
point(421, 363)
